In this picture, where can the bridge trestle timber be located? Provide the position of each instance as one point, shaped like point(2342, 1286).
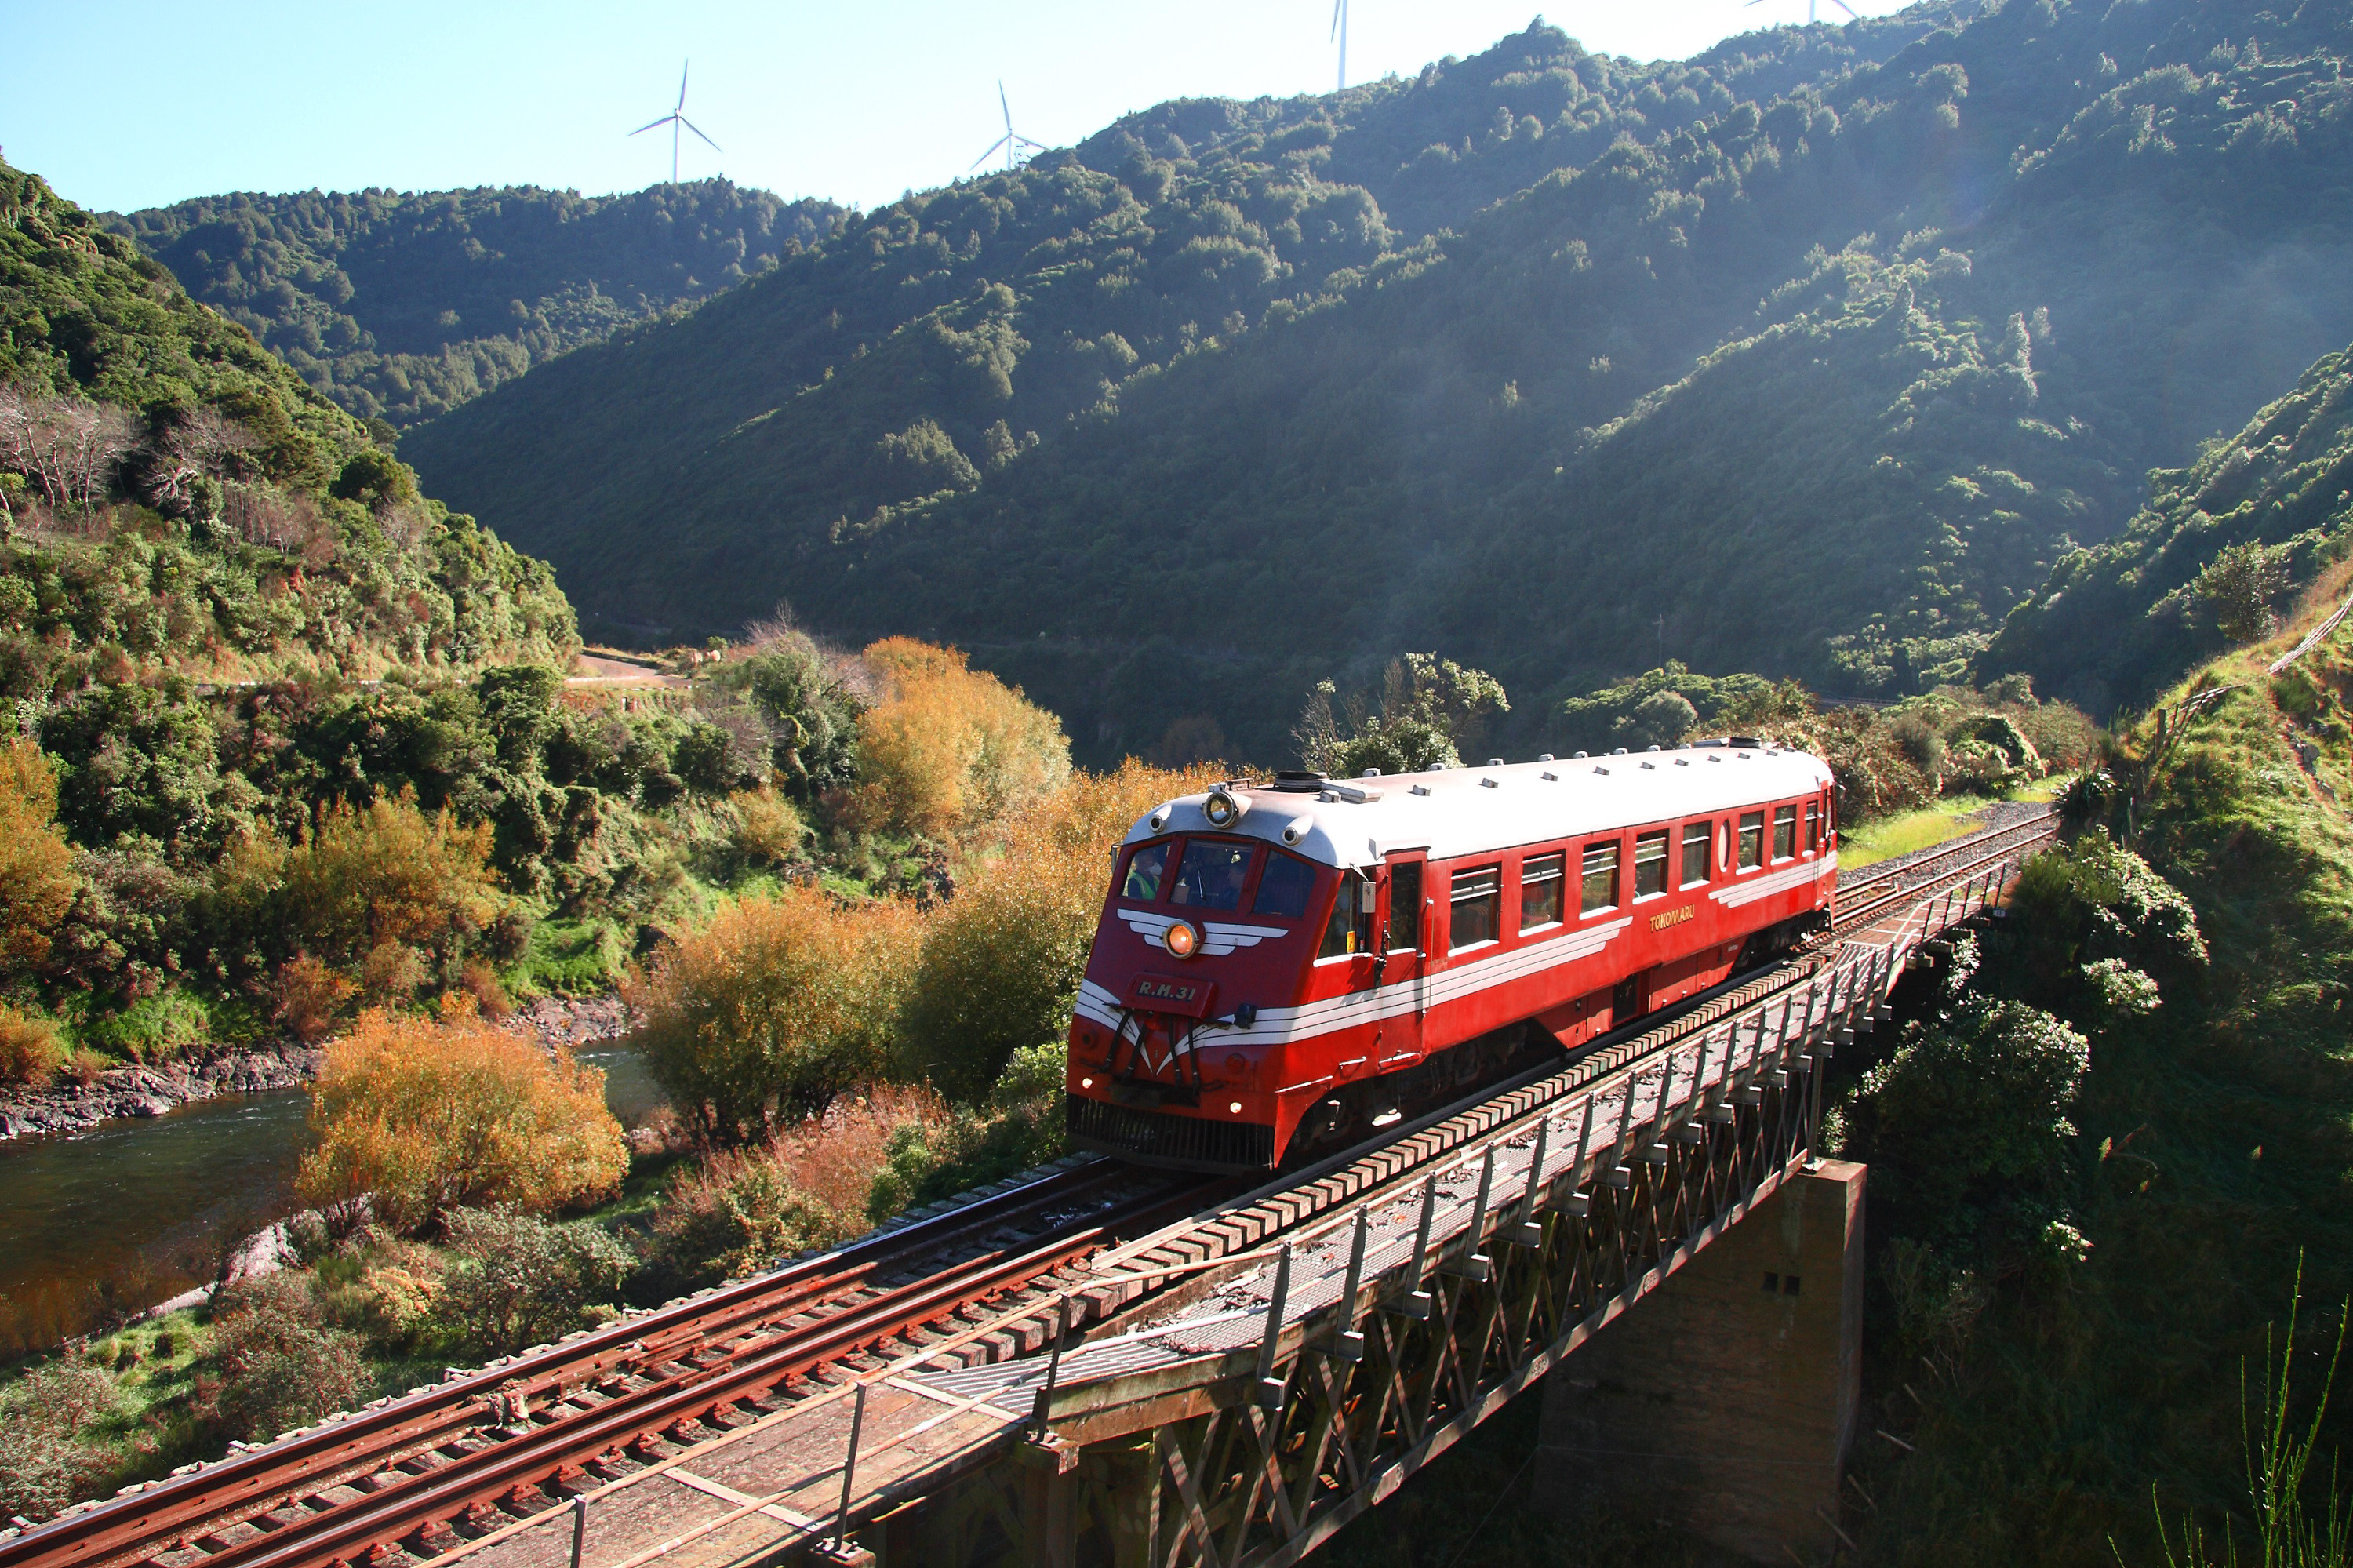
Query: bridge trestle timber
point(1229, 1388)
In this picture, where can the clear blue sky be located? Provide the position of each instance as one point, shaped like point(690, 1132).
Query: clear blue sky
point(131, 103)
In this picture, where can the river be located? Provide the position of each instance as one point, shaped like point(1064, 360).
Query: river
point(135, 1212)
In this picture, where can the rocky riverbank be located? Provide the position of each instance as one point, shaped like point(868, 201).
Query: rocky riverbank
point(138, 1089)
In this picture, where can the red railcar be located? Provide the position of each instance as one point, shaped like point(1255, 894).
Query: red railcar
point(1284, 969)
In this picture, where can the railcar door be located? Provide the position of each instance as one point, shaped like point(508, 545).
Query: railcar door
point(1404, 972)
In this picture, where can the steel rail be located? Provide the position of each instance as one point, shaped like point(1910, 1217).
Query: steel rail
point(219, 1494)
point(412, 1503)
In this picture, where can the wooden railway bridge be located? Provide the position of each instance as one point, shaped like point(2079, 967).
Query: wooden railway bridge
point(1648, 1231)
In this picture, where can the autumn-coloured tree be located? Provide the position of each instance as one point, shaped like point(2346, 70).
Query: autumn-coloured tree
point(423, 1115)
point(378, 884)
point(778, 1004)
point(36, 866)
point(1001, 963)
point(951, 748)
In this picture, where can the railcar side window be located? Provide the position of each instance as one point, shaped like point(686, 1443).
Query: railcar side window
point(1650, 863)
point(1752, 839)
point(1785, 831)
point(1813, 826)
point(1350, 930)
point(1696, 837)
point(1210, 876)
point(1600, 877)
point(1540, 884)
point(1475, 908)
point(1283, 887)
point(1143, 882)
point(1405, 906)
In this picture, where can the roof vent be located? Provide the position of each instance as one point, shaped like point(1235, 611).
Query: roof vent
point(1293, 781)
point(1578, 758)
point(1549, 776)
point(1494, 762)
point(1370, 773)
point(1619, 752)
point(1655, 748)
point(1544, 757)
point(1488, 784)
point(1421, 788)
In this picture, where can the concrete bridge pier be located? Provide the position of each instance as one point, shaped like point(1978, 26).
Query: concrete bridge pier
point(1724, 1402)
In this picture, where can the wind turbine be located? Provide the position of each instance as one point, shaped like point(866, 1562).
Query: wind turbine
point(674, 119)
point(1013, 142)
point(1813, 9)
point(1340, 31)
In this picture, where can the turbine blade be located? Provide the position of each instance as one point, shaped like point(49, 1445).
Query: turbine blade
point(681, 83)
point(1001, 103)
point(643, 129)
point(691, 125)
point(1337, 6)
point(1850, 10)
point(992, 146)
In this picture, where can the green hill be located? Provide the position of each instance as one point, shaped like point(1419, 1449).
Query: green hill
point(176, 498)
point(1810, 355)
point(2257, 514)
point(401, 305)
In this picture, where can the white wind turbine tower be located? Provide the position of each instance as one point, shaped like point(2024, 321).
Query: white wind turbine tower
point(674, 119)
point(1813, 9)
point(1013, 142)
point(1340, 31)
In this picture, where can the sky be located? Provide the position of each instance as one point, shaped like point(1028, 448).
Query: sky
point(123, 105)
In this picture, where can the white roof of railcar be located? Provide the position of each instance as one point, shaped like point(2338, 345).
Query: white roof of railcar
point(1473, 811)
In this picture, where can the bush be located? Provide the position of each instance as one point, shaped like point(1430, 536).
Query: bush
point(1020, 1125)
point(761, 1018)
point(767, 827)
point(36, 885)
point(519, 1280)
point(951, 748)
point(383, 877)
point(278, 1363)
point(423, 1117)
point(738, 1211)
point(31, 1049)
point(1001, 963)
point(47, 1460)
point(308, 994)
point(2095, 900)
point(1965, 1124)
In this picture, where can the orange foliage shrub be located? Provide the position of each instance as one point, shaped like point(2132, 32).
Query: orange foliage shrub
point(737, 1211)
point(310, 993)
point(36, 867)
point(31, 1051)
point(1001, 963)
point(764, 1015)
point(374, 880)
point(951, 748)
point(423, 1115)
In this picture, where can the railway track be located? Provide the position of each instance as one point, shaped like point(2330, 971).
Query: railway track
point(428, 1463)
point(1876, 891)
point(427, 1471)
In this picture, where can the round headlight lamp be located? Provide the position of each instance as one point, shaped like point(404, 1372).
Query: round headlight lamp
point(1223, 808)
point(1181, 940)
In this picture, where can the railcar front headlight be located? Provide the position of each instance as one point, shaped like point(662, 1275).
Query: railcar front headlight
point(1181, 940)
point(1223, 808)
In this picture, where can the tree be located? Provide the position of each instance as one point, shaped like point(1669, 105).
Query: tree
point(280, 1364)
point(141, 761)
point(36, 884)
point(1431, 709)
point(951, 749)
point(2236, 589)
point(424, 1116)
point(376, 479)
point(780, 1003)
point(1001, 962)
point(386, 879)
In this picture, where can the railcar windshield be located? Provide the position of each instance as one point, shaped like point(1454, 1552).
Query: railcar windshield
point(1144, 872)
point(1210, 876)
point(1283, 887)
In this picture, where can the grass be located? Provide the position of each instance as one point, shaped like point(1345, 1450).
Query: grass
point(1907, 832)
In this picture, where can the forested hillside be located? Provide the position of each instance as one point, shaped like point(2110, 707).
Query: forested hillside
point(2206, 562)
point(1810, 355)
point(401, 305)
